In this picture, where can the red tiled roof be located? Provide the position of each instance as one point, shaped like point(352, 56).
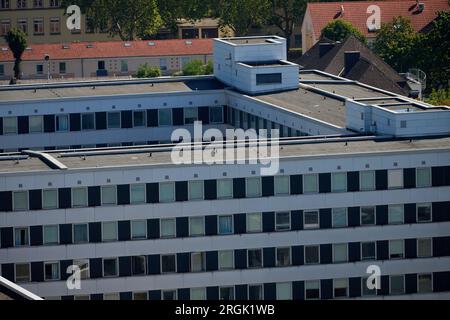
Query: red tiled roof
point(113, 49)
point(356, 12)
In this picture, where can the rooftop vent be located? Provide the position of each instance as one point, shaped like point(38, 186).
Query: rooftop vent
point(90, 46)
point(65, 46)
point(4, 49)
point(127, 45)
point(188, 43)
point(420, 6)
point(151, 43)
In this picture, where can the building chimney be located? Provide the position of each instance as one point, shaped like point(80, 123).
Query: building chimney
point(350, 59)
point(324, 48)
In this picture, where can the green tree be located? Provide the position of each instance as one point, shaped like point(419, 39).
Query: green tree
point(17, 42)
point(339, 30)
point(196, 67)
point(398, 44)
point(439, 97)
point(146, 71)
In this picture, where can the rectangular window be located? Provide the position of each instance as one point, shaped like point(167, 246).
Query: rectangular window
point(312, 289)
point(109, 195)
point(216, 115)
point(39, 69)
point(62, 123)
point(253, 187)
point(20, 200)
point(254, 257)
point(423, 177)
point(424, 212)
point(168, 228)
point(80, 233)
point(167, 192)
point(88, 121)
point(396, 249)
point(365, 289)
point(22, 24)
point(165, 117)
point(5, 27)
point(312, 254)
point(198, 262)
point(254, 222)
point(140, 296)
point(113, 120)
point(225, 224)
point(62, 68)
point(109, 231)
point(268, 78)
point(38, 26)
point(38, 3)
point(79, 197)
point(36, 124)
point(282, 185)
point(51, 235)
point(2, 69)
point(283, 256)
point(424, 248)
point(4, 4)
point(255, 292)
point(54, 3)
point(190, 115)
point(138, 229)
point(395, 179)
point(169, 295)
point(111, 296)
point(83, 264)
point(196, 226)
point(340, 252)
point(395, 214)
point(163, 64)
point(168, 263)
point(137, 193)
point(367, 216)
point(110, 267)
point(340, 288)
point(282, 221)
point(339, 216)
point(138, 265)
point(10, 125)
point(226, 260)
point(397, 284)
point(311, 219)
point(425, 283)
point(21, 237)
point(284, 291)
point(226, 293)
point(138, 119)
point(224, 188)
point(22, 272)
point(123, 66)
point(368, 251)
point(198, 294)
point(21, 4)
point(55, 26)
point(195, 190)
point(51, 271)
point(339, 182)
point(310, 183)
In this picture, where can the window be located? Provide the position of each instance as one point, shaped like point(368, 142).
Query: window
point(50, 199)
point(51, 235)
point(111, 296)
point(4, 4)
point(190, 115)
point(55, 26)
point(282, 221)
point(137, 193)
point(395, 179)
point(253, 188)
point(36, 124)
point(79, 197)
point(311, 219)
point(109, 195)
point(165, 117)
point(195, 190)
point(424, 212)
point(340, 252)
point(22, 24)
point(365, 289)
point(2, 69)
point(368, 251)
point(282, 185)
point(138, 229)
point(196, 226)
point(169, 294)
point(62, 123)
point(140, 296)
point(168, 263)
point(395, 214)
point(312, 254)
point(268, 78)
point(216, 114)
point(51, 271)
point(20, 200)
point(312, 289)
point(226, 260)
point(310, 183)
point(424, 283)
point(198, 294)
point(88, 121)
point(198, 262)
point(110, 267)
point(339, 216)
point(113, 120)
point(226, 293)
point(38, 26)
point(10, 125)
point(167, 192)
point(138, 265)
point(21, 237)
point(109, 231)
point(163, 64)
point(367, 216)
point(396, 249)
point(138, 119)
point(255, 292)
point(5, 27)
point(225, 224)
point(37, 3)
point(83, 264)
point(62, 68)
point(123, 66)
point(168, 228)
point(397, 284)
point(80, 233)
point(224, 189)
point(284, 291)
point(22, 272)
point(340, 288)
point(283, 256)
point(54, 3)
point(254, 222)
point(423, 177)
point(254, 258)
point(339, 182)
point(21, 4)
point(424, 248)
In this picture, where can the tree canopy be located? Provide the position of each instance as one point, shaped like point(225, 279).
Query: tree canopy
point(339, 30)
point(17, 42)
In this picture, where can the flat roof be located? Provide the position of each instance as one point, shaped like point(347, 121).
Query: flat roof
point(299, 147)
point(273, 63)
point(311, 75)
point(350, 90)
point(251, 40)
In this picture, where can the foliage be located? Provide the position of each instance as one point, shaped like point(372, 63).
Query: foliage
point(440, 97)
point(17, 42)
point(146, 71)
point(196, 67)
point(339, 30)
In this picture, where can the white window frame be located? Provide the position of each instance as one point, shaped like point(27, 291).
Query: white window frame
point(73, 232)
point(260, 229)
point(429, 184)
point(117, 267)
point(334, 288)
point(218, 224)
point(318, 254)
point(317, 183)
point(27, 202)
point(277, 226)
point(373, 186)
point(191, 234)
point(29, 272)
point(431, 212)
point(131, 228)
point(59, 271)
point(390, 207)
point(431, 248)
point(418, 282)
point(332, 183)
point(131, 193)
point(403, 249)
point(255, 285)
point(277, 193)
point(306, 297)
point(175, 228)
point(57, 235)
point(333, 219)
point(361, 251)
point(392, 175)
point(112, 187)
point(390, 284)
point(172, 199)
point(312, 226)
point(258, 192)
point(72, 197)
point(220, 266)
point(334, 252)
point(103, 231)
point(374, 216)
point(161, 263)
point(43, 199)
point(276, 256)
point(200, 182)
